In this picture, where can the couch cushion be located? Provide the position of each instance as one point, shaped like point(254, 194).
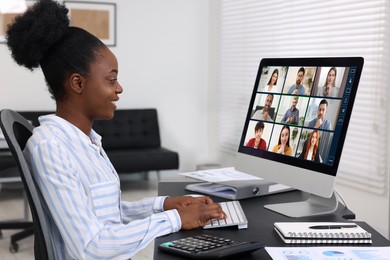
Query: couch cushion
point(146, 159)
point(134, 128)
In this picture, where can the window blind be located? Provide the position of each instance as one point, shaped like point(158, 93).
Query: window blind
point(250, 30)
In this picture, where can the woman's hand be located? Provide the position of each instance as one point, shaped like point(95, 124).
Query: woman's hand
point(197, 215)
point(281, 149)
point(184, 201)
point(194, 211)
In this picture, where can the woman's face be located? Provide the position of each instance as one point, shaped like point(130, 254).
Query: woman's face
point(284, 136)
point(313, 140)
point(258, 134)
point(331, 77)
point(101, 87)
point(274, 78)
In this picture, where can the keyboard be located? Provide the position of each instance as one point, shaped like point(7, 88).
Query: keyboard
point(206, 246)
point(235, 216)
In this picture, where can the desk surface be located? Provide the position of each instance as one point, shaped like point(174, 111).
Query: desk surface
point(260, 221)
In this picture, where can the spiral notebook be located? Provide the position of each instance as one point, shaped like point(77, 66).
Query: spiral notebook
point(322, 233)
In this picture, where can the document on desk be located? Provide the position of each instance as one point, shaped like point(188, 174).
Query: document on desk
point(220, 175)
point(326, 253)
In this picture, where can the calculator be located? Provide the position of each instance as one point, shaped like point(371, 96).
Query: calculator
point(206, 246)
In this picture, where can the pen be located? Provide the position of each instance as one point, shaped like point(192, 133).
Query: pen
point(333, 226)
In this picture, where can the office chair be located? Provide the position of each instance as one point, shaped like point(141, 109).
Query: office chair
point(17, 130)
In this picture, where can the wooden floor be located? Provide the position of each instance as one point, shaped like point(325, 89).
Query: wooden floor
point(11, 207)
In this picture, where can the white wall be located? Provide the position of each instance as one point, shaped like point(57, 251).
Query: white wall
point(368, 207)
point(162, 49)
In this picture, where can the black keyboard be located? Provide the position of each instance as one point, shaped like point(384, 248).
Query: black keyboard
point(206, 246)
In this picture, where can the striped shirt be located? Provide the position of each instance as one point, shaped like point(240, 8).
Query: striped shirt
point(87, 219)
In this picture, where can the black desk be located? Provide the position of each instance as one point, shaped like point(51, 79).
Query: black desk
point(260, 221)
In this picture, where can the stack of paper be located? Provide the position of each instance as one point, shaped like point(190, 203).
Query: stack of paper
point(220, 175)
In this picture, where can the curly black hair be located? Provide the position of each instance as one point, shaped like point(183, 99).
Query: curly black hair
point(42, 37)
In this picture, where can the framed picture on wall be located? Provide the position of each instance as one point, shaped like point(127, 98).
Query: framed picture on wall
point(8, 11)
point(97, 18)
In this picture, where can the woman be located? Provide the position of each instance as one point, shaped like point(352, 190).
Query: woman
point(329, 89)
point(273, 80)
point(257, 142)
point(310, 148)
point(283, 146)
point(87, 218)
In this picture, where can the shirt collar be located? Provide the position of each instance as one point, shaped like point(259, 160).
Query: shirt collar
point(68, 127)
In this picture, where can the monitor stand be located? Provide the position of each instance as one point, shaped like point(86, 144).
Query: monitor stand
point(314, 205)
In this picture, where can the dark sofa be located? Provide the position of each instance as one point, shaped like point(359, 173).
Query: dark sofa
point(131, 140)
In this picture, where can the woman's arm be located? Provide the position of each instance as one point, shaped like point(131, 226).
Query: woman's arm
point(92, 228)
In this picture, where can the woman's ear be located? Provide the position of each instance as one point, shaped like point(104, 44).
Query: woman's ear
point(76, 82)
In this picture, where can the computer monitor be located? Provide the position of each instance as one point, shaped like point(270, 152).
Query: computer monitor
point(296, 125)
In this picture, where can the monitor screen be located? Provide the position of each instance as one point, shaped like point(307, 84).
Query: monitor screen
point(297, 121)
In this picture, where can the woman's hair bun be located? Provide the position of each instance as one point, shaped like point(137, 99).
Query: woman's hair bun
point(33, 33)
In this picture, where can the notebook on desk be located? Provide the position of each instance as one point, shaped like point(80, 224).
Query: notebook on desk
point(322, 233)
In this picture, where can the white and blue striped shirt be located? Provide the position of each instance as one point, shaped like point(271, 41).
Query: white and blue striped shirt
point(87, 219)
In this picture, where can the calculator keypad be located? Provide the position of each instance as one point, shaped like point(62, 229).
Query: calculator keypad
point(198, 244)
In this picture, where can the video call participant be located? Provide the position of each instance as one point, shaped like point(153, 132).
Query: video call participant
point(298, 88)
point(292, 114)
point(263, 114)
point(283, 146)
point(329, 89)
point(87, 219)
point(257, 142)
point(273, 80)
point(310, 148)
point(321, 122)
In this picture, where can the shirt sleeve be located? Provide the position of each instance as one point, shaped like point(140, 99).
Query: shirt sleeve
point(284, 117)
point(263, 144)
point(328, 125)
point(296, 118)
point(84, 233)
point(312, 123)
point(142, 208)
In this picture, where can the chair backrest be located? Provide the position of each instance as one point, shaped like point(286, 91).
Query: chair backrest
point(17, 130)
